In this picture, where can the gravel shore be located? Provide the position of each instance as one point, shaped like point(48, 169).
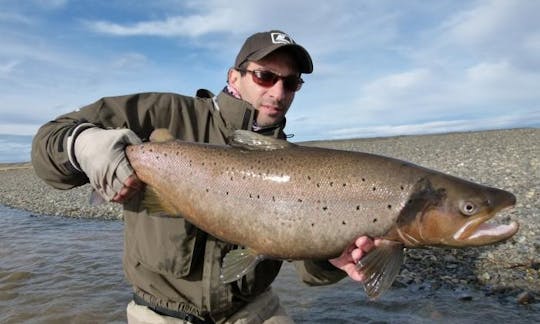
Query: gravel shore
point(507, 159)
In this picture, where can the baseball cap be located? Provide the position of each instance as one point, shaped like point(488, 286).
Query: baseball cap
point(258, 45)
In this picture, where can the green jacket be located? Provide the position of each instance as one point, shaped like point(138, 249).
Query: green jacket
point(169, 261)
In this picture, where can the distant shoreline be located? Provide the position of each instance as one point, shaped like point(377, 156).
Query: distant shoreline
point(506, 159)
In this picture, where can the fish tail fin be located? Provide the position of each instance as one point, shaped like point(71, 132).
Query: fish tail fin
point(381, 267)
point(154, 204)
point(237, 263)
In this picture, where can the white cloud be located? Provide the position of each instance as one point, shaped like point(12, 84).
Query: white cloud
point(8, 67)
point(191, 26)
point(380, 66)
point(434, 127)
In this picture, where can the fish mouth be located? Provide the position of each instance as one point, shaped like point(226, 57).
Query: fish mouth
point(478, 232)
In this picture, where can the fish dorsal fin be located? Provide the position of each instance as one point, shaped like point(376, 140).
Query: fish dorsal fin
point(253, 141)
point(381, 267)
point(237, 263)
point(161, 135)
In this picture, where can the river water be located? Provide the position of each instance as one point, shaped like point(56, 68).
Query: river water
point(66, 270)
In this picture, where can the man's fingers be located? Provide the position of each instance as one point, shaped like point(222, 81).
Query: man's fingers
point(131, 186)
point(364, 243)
point(133, 182)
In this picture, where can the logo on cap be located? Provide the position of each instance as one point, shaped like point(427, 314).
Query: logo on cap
point(281, 38)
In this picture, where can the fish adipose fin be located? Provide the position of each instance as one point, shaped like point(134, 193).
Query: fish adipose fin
point(381, 267)
point(252, 141)
point(237, 263)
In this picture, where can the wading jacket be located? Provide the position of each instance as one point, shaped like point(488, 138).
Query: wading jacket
point(169, 261)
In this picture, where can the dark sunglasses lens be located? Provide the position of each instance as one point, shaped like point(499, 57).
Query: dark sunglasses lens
point(292, 83)
point(265, 78)
point(268, 79)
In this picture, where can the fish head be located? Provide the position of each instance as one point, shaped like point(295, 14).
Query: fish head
point(448, 211)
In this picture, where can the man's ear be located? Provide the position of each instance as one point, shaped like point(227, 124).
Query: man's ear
point(232, 76)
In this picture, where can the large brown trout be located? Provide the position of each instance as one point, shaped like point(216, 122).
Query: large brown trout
point(285, 201)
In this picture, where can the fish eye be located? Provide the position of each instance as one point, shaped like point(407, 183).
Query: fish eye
point(468, 208)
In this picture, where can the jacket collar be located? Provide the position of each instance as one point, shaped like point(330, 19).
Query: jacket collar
point(239, 114)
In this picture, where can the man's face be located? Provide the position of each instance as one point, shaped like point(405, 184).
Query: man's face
point(272, 103)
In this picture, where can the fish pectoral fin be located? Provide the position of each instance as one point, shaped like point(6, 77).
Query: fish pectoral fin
point(381, 267)
point(252, 141)
point(237, 263)
point(153, 204)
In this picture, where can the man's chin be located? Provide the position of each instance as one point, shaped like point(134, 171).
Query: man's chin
point(269, 122)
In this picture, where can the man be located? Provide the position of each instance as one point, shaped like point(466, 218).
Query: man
point(173, 266)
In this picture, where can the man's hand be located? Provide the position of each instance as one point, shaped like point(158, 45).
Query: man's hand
point(99, 153)
point(131, 186)
point(353, 253)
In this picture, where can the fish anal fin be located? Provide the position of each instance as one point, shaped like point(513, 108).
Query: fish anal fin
point(252, 141)
point(238, 263)
point(381, 267)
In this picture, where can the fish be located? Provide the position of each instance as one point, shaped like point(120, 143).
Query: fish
point(279, 200)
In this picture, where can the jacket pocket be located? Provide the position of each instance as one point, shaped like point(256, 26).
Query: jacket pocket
point(161, 243)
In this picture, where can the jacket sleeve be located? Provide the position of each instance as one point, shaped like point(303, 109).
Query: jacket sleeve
point(136, 112)
point(318, 273)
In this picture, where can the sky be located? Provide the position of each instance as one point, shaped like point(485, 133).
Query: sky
point(381, 67)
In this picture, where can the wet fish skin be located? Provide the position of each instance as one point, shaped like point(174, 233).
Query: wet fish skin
point(290, 202)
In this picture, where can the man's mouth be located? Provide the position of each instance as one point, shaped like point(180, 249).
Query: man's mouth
point(272, 109)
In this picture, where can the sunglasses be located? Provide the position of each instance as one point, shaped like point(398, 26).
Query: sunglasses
point(267, 79)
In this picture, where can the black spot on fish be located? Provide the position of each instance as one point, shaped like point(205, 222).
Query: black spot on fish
point(389, 206)
point(374, 220)
point(344, 222)
point(325, 208)
point(202, 163)
point(374, 188)
point(258, 197)
point(299, 200)
point(309, 177)
point(363, 179)
point(318, 185)
point(312, 224)
point(273, 198)
point(227, 193)
point(401, 187)
point(331, 184)
point(207, 190)
point(358, 207)
point(344, 185)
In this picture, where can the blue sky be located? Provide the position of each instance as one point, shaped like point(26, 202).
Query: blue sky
point(381, 67)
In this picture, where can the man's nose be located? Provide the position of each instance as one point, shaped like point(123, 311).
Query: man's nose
point(278, 90)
